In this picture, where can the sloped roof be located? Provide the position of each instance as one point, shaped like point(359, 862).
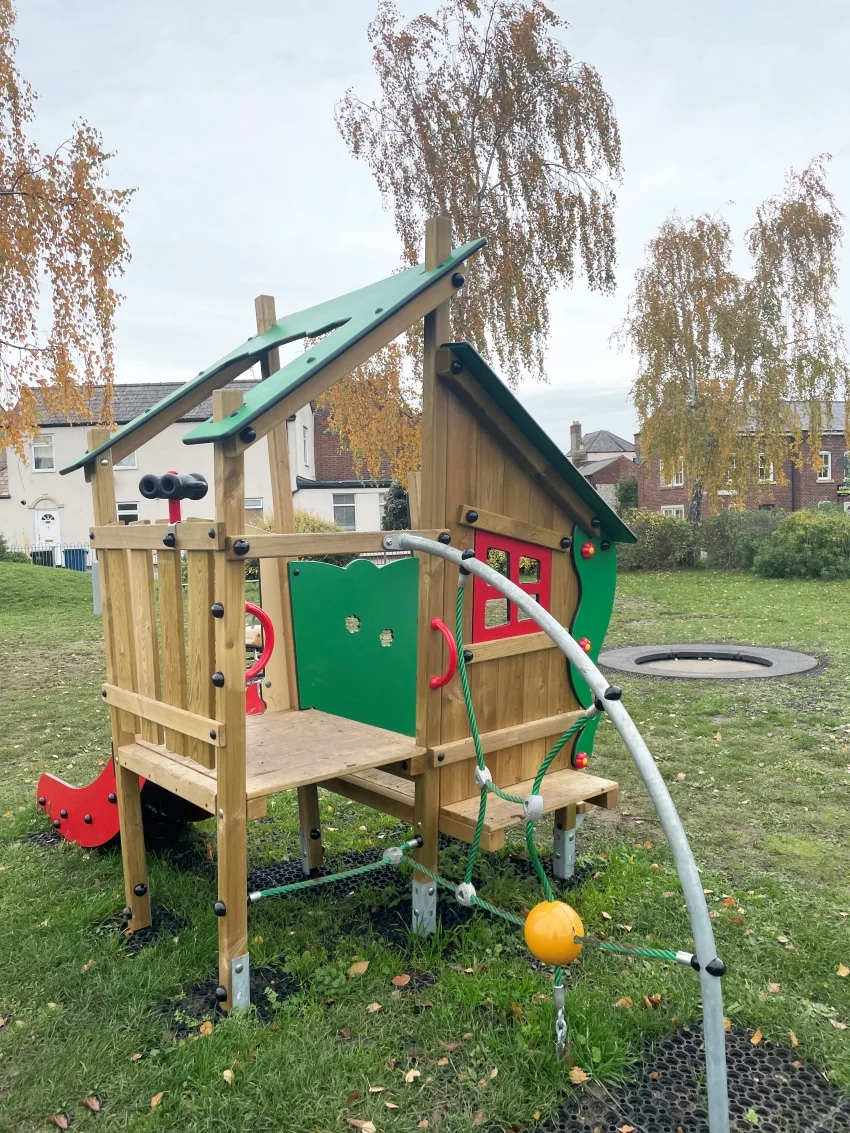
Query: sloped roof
point(130, 400)
point(833, 414)
point(611, 524)
point(594, 466)
point(605, 441)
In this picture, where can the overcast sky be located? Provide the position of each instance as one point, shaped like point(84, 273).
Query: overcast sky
point(221, 114)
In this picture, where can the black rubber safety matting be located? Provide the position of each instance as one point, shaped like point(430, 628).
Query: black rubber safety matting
point(771, 1090)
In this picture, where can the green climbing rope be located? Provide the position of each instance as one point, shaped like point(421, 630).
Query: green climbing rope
point(628, 949)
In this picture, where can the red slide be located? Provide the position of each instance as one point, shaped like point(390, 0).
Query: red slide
point(89, 815)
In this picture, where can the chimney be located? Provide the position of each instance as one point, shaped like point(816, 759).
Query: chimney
point(576, 448)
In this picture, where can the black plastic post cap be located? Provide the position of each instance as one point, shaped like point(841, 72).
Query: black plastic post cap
point(112, 797)
point(221, 993)
point(220, 909)
point(126, 912)
point(42, 801)
point(140, 890)
point(169, 540)
point(419, 840)
point(458, 279)
point(456, 366)
point(468, 655)
point(241, 547)
point(248, 435)
point(315, 834)
point(613, 692)
point(716, 967)
point(472, 516)
point(566, 543)
point(217, 610)
point(218, 680)
point(444, 537)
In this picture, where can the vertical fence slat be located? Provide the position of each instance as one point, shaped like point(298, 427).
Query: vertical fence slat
point(201, 691)
point(173, 627)
point(143, 608)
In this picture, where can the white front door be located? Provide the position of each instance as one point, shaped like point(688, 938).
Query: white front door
point(47, 527)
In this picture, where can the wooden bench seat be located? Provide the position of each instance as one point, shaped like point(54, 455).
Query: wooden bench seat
point(392, 795)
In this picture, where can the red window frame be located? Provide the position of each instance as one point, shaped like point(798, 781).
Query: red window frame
point(483, 593)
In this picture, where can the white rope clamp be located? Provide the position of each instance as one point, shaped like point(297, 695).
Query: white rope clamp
point(465, 893)
point(482, 777)
point(533, 807)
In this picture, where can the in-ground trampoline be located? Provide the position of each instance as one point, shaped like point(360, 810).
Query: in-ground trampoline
point(707, 661)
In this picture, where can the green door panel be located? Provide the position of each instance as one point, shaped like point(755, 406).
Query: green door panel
point(598, 581)
point(356, 640)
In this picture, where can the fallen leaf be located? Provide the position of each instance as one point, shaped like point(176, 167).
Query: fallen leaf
point(156, 1099)
point(782, 939)
point(479, 1118)
point(227, 1075)
point(372, 1008)
point(681, 776)
point(652, 1000)
point(794, 1040)
point(467, 1035)
point(577, 1076)
point(515, 1010)
point(494, 1073)
point(258, 940)
point(727, 1024)
point(449, 1046)
point(774, 988)
point(377, 1089)
point(135, 1057)
point(366, 1126)
point(359, 968)
point(442, 1062)
point(353, 1097)
point(390, 1105)
point(838, 1026)
point(625, 1129)
point(91, 1103)
point(624, 1002)
point(737, 921)
point(843, 971)
point(423, 1124)
point(209, 850)
point(653, 1075)
point(728, 902)
point(756, 1037)
point(606, 916)
point(88, 964)
point(206, 1028)
point(412, 1074)
point(536, 1115)
point(59, 1120)
point(401, 981)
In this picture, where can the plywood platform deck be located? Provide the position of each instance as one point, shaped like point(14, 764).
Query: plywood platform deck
point(284, 750)
point(560, 789)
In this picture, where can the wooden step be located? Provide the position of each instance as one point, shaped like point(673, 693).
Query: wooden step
point(394, 796)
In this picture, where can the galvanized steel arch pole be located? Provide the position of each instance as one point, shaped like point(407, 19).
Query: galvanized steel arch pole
point(706, 954)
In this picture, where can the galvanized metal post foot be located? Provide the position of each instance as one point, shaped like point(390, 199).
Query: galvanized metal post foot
point(564, 849)
point(240, 983)
point(424, 907)
point(305, 851)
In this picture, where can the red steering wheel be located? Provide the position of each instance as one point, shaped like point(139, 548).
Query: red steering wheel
point(268, 640)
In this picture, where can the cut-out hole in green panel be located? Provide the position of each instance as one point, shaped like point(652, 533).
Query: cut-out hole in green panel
point(356, 640)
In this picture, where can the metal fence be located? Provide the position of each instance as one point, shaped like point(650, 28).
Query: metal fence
point(69, 556)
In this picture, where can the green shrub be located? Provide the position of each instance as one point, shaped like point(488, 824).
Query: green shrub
point(7, 556)
point(807, 544)
point(662, 542)
point(732, 539)
point(627, 493)
point(396, 509)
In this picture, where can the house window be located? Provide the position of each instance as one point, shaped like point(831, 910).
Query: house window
point(765, 470)
point(766, 507)
point(129, 461)
point(525, 564)
point(847, 465)
point(677, 480)
point(674, 512)
point(305, 441)
point(128, 513)
point(42, 454)
point(382, 505)
point(344, 511)
point(825, 466)
point(253, 503)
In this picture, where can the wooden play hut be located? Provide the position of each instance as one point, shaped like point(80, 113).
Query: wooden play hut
point(351, 702)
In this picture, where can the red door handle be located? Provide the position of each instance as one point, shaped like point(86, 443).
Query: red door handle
point(438, 682)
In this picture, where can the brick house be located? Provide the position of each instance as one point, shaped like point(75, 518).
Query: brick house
point(668, 492)
point(603, 459)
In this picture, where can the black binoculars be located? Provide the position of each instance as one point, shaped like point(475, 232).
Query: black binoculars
point(189, 486)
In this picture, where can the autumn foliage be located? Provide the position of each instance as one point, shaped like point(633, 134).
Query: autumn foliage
point(62, 245)
point(484, 117)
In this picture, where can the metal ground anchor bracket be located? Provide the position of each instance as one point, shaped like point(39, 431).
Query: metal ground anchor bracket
point(424, 905)
point(240, 983)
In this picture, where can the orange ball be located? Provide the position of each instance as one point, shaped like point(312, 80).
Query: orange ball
point(550, 931)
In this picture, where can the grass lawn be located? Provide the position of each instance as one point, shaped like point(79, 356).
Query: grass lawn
point(760, 771)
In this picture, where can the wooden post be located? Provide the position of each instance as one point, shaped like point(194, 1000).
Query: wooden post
point(120, 670)
point(432, 513)
point(274, 582)
point(231, 800)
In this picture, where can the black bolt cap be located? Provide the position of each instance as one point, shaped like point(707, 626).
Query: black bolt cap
point(456, 366)
point(127, 913)
point(248, 435)
point(598, 705)
point(420, 842)
point(218, 680)
point(217, 610)
point(103, 694)
point(56, 823)
point(472, 516)
point(695, 963)
point(63, 813)
point(441, 757)
point(42, 801)
point(566, 542)
point(213, 733)
point(445, 538)
point(241, 547)
point(91, 535)
point(211, 533)
point(169, 540)
point(220, 909)
point(468, 655)
point(87, 819)
point(315, 834)
point(140, 890)
point(613, 692)
point(112, 797)
point(458, 279)
point(605, 544)
point(221, 993)
point(596, 522)
point(716, 967)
